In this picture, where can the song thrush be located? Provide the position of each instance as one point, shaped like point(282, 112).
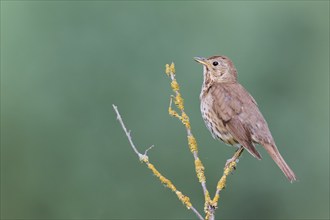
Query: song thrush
point(231, 113)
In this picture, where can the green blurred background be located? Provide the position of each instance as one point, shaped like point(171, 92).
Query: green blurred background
point(63, 64)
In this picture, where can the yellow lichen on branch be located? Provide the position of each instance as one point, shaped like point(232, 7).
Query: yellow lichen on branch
point(175, 86)
point(173, 113)
point(178, 101)
point(222, 182)
point(227, 170)
point(184, 199)
point(192, 143)
point(183, 117)
point(200, 170)
point(170, 69)
point(185, 121)
point(210, 204)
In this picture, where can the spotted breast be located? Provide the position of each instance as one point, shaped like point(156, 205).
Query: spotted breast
point(214, 124)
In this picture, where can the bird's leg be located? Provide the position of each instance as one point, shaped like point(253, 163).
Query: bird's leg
point(237, 154)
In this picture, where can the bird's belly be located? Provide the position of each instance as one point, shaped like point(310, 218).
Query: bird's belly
point(216, 126)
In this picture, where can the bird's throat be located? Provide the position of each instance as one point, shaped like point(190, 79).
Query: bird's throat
point(207, 83)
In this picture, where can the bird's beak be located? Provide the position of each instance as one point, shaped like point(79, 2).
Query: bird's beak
point(201, 60)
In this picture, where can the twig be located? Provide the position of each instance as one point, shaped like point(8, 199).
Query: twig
point(144, 158)
point(128, 133)
point(199, 167)
point(229, 167)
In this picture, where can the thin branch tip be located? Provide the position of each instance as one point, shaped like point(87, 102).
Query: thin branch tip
point(146, 151)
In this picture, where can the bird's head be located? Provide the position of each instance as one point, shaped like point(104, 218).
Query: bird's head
point(218, 69)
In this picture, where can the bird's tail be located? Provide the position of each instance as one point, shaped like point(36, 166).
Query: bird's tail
point(276, 156)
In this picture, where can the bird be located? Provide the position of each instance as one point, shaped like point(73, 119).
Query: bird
point(232, 115)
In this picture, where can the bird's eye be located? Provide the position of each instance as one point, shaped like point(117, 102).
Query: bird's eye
point(215, 63)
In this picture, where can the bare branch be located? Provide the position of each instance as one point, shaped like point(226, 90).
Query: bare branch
point(128, 133)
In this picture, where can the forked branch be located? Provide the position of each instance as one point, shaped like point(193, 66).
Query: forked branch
point(145, 159)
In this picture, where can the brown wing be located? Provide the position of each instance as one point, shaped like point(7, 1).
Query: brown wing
point(229, 101)
point(242, 118)
point(225, 105)
point(236, 128)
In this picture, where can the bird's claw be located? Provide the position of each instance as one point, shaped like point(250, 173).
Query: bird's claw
point(229, 161)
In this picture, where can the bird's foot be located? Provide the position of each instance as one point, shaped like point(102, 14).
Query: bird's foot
point(229, 161)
